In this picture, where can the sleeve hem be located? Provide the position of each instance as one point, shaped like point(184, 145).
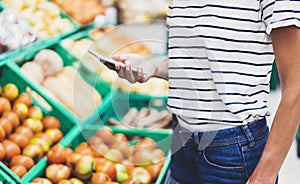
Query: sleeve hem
point(282, 24)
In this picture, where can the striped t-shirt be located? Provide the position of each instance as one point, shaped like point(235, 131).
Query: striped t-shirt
point(220, 57)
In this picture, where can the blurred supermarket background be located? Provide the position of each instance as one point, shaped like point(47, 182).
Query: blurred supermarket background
point(43, 54)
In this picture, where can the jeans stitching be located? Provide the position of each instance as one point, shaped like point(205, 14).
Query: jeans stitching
point(234, 168)
point(244, 160)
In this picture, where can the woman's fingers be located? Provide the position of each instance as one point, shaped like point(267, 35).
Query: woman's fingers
point(129, 74)
point(140, 74)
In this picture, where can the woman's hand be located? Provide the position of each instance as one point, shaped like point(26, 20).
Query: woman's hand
point(145, 68)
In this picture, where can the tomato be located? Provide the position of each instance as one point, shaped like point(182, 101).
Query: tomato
point(55, 134)
point(69, 151)
point(107, 167)
point(26, 161)
point(121, 137)
point(84, 149)
point(76, 181)
point(7, 126)
point(35, 113)
point(99, 178)
point(123, 147)
point(158, 156)
point(19, 139)
point(2, 152)
point(146, 143)
point(57, 154)
point(93, 141)
point(34, 151)
point(10, 91)
point(42, 143)
point(57, 172)
point(72, 159)
point(41, 181)
point(129, 166)
point(65, 182)
point(130, 182)
point(51, 122)
point(12, 117)
point(114, 155)
point(2, 133)
point(24, 98)
point(45, 137)
point(25, 131)
point(4, 104)
point(143, 157)
point(19, 170)
point(154, 170)
point(141, 175)
point(84, 167)
point(106, 134)
point(99, 150)
point(34, 124)
point(11, 149)
point(21, 110)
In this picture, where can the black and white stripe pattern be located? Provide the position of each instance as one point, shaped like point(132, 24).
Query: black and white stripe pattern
point(221, 57)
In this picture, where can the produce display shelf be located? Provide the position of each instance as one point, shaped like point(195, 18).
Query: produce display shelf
point(18, 54)
point(70, 60)
point(122, 102)
point(9, 74)
point(91, 74)
point(86, 72)
point(78, 136)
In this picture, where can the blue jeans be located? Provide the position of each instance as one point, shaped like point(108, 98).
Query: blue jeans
point(226, 156)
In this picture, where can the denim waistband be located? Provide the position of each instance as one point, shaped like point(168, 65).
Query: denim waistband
point(225, 136)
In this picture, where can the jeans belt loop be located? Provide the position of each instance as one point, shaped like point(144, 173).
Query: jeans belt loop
point(249, 135)
point(196, 138)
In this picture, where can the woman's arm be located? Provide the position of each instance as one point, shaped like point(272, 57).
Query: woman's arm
point(286, 44)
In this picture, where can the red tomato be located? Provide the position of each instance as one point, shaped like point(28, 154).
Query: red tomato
point(24, 130)
point(57, 172)
point(51, 122)
point(41, 181)
point(19, 170)
point(12, 117)
point(11, 149)
point(57, 154)
point(99, 178)
point(26, 161)
point(2, 152)
point(6, 124)
point(19, 139)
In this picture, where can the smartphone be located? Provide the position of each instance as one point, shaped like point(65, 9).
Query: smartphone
point(110, 63)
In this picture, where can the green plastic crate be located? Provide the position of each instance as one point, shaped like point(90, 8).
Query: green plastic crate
point(80, 135)
point(274, 81)
point(70, 60)
point(19, 54)
point(4, 177)
point(9, 74)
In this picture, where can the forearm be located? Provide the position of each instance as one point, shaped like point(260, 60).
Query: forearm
point(161, 64)
point(281, 136)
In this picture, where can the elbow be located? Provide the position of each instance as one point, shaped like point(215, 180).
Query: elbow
point(291, 96)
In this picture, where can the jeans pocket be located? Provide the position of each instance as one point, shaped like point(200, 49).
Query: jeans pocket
point(228, 157)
